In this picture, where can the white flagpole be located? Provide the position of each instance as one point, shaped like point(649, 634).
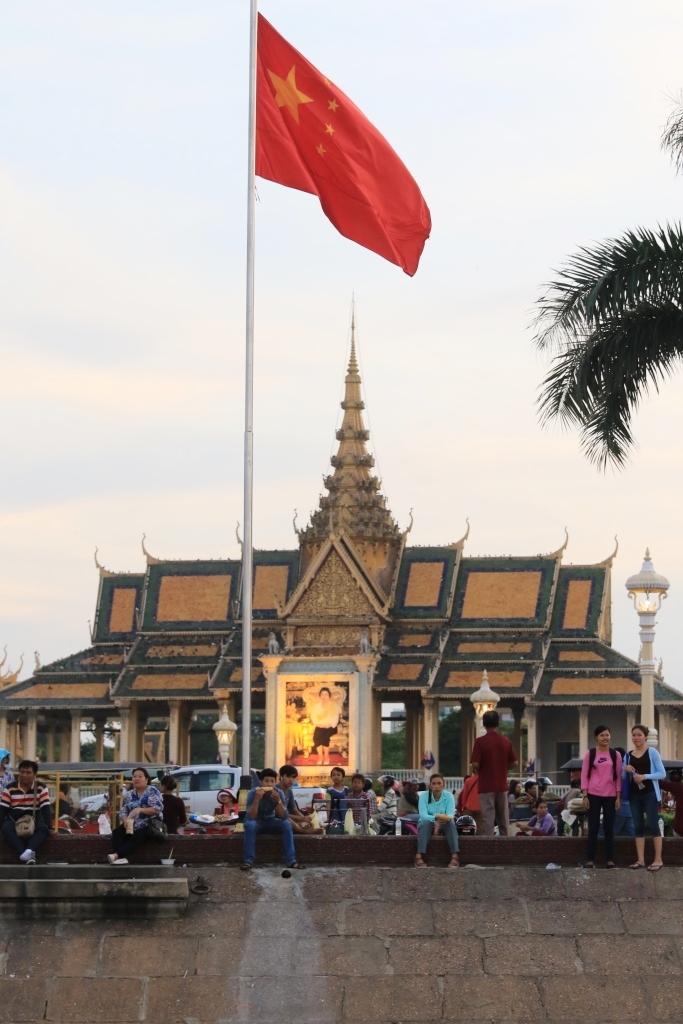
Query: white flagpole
point(247, 548)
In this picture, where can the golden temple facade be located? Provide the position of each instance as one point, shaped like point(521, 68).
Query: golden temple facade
point(352, 618)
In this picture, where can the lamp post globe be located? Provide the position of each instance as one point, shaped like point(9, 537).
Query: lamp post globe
point(225, 729)
point(484, 699)
point(647, 589)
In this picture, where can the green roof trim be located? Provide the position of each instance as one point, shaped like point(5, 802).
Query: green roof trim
point(108, 585)
point(597, 574)
point(438, 608)
point(157, 573)
point(469, 566)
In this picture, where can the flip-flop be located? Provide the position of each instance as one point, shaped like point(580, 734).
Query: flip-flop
point(246, 866)
point(655, 867)
point(420, 863)
point(296, 866)
point(454, 865)
point(637, 866)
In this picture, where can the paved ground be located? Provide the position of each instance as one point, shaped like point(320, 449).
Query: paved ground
point(368, 944)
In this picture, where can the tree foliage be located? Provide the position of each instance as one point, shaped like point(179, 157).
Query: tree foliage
point(613, 321)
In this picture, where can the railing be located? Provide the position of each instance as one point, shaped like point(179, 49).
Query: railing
point(454, 783)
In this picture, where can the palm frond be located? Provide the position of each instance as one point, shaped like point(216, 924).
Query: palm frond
point(598, 381)
point(672, 139)
point(605, 282)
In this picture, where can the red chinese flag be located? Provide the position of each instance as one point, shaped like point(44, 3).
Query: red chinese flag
point(311, 137)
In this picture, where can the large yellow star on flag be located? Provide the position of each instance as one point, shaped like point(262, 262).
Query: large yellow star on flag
point(287, 94)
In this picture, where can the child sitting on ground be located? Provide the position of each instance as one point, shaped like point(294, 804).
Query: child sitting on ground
point(541, 823)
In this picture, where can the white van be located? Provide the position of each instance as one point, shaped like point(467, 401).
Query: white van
point(200, 784)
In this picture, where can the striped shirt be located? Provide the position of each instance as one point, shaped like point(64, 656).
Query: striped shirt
point(14, 803)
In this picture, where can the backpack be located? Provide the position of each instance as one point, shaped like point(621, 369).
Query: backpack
point(591, 761)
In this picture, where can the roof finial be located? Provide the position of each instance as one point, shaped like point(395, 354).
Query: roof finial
point(353, 363)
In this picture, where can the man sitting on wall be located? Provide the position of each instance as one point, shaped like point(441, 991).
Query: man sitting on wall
point(25, 814)
point(300, 822)
point(266, 813)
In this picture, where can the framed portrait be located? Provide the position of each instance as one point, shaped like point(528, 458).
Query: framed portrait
point(317, 723)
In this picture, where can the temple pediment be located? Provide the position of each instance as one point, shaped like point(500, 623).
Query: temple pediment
point(335, 587)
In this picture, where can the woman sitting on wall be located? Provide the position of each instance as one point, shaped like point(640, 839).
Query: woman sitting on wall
point(141, 804)
point(437, 813)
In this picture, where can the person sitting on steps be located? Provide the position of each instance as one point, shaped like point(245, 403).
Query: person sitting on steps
point(25, 813)
point(266, 813)
point(437, 813)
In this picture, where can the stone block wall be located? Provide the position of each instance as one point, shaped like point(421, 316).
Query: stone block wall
point(356, 945)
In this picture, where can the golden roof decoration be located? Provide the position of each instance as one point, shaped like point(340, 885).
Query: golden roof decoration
point(7, 678)
point(354, 503)
point(151, 560)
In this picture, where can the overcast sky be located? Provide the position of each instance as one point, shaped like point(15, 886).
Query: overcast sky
point(531, 127)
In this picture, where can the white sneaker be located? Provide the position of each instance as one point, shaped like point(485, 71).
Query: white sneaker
point(27, 856)
point(112, 857)
point(119, 862)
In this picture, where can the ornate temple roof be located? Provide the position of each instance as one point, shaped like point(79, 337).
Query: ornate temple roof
point(433, 617)
point(353, 504)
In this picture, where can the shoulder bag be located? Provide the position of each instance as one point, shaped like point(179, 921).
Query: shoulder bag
point(26, 824)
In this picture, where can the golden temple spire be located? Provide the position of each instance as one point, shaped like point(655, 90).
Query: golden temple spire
point(353, 365)
point(354, 503)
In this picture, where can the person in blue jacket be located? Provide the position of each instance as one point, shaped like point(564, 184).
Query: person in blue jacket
point(436, 806)
point(643, 768)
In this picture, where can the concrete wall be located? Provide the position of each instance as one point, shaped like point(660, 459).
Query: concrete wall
point(368, 945)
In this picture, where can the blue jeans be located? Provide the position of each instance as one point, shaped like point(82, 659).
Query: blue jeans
point(268, 826)
point(645, 805)
point(424, 834)
point(623, 822)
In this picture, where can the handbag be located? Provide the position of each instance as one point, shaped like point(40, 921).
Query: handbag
point(26, 825)
point(157, 830)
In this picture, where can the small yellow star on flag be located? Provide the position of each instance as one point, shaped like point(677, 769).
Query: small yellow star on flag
point(320, 149)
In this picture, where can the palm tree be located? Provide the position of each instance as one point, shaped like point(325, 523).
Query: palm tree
point(613, 320)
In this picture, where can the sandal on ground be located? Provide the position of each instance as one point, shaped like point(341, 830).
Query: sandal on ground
point(419, 862)
point(637, 866)
point(246, 866)
point(455, 861)
point(589, 864)
point(655, 867)
point(296, 866)
point(610, 864)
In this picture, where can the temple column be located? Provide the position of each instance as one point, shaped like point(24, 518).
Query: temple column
point(412, 732)
point(583, 730)
point(50, 743)
point(276, 712)
point(467, 735)
point(4, 734)
point(31, 745)
point(124, 736)
point(75, 745)
point(134, 734)
point(99, 739)
point(665, 732)
point(518, 714)
point(185, 722)
point(365, 715)
point(531, 753)
point(175, 717)
point(431, 731)
point(631, 717)
point(376, 735)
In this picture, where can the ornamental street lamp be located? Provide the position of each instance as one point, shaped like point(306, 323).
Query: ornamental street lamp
point(225, 729)
point(484, 699)
point(647, 590)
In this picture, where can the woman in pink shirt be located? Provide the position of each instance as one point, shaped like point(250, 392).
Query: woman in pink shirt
point(601, 788)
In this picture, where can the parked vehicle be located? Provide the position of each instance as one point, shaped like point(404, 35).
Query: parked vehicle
point(200, 784)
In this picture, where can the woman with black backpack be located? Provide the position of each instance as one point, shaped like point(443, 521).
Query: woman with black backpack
point(601, 789)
